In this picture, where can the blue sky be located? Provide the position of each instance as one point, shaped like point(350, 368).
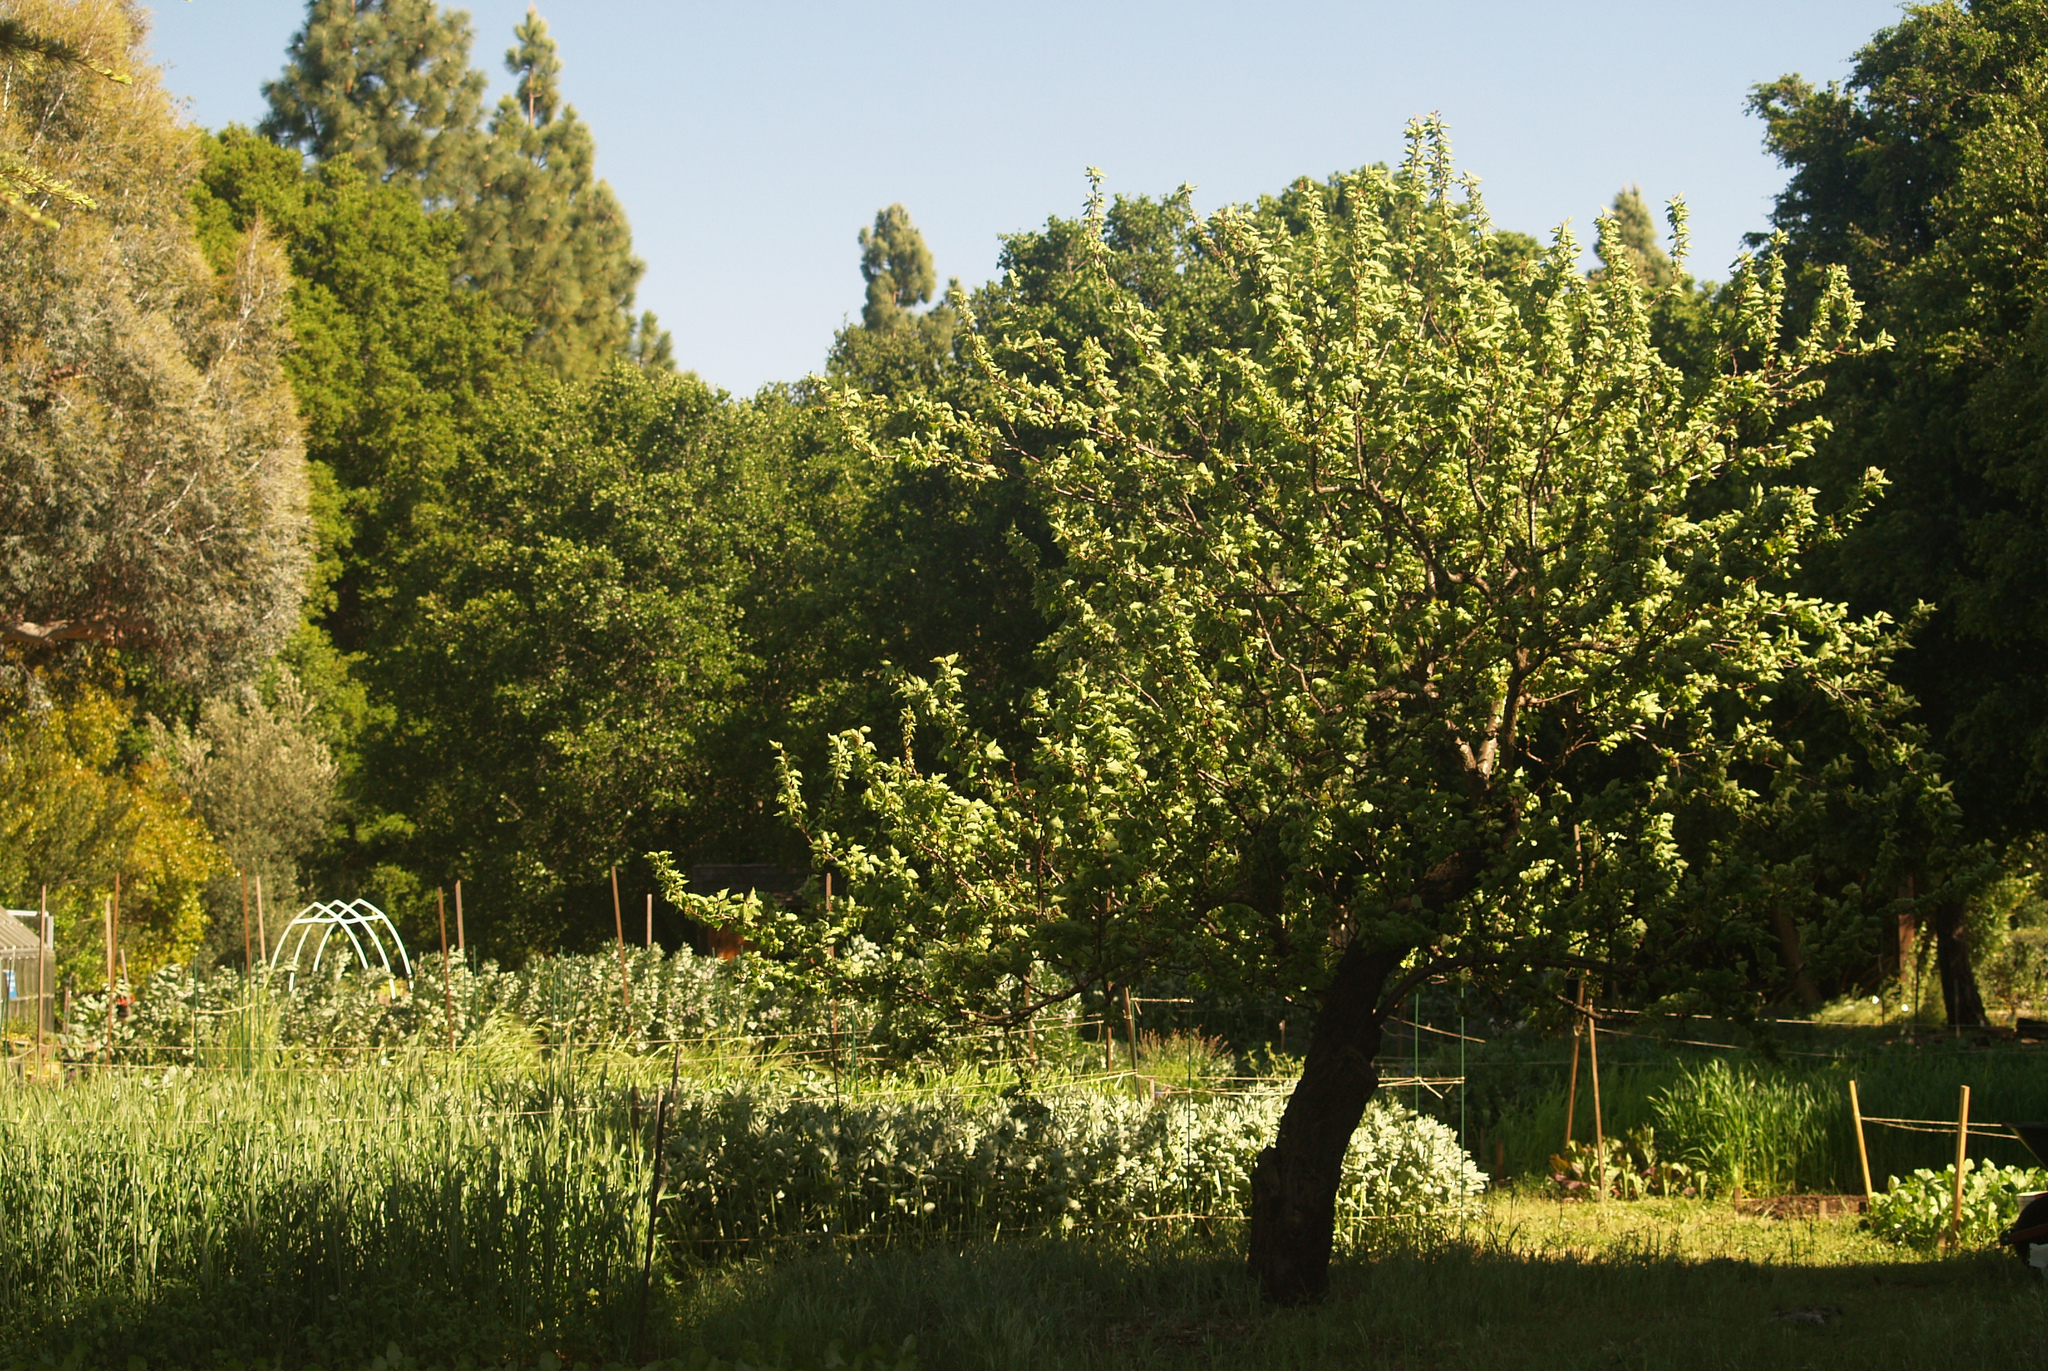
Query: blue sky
point(750, 142)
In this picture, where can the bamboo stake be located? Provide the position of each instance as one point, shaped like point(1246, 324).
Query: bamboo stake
point(650, 918)
point(1108, 1029)
point(461, 939)
point(447, 983)
point(248, 954)
point(262, 932)
point(1862, 1151)
point(619, 921)
point(1599, 1134)
point(1415, 1049)
point(1955, 1218)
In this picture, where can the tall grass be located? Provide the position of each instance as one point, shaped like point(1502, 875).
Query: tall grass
point(1763, 1133)
point(307, 1215)
point(1775, 1126)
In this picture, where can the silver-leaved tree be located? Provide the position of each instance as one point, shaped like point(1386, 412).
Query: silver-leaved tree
point(1403, 611)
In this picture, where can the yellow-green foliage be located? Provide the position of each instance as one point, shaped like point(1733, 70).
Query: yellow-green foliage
point(74, 813)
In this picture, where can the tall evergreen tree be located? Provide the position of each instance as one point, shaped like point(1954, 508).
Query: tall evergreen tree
point(893, 350)
point(386, 84)
point(897, 267)
point(1633, 234)
point(547, 240)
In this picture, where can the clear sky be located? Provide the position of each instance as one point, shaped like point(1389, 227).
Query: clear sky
point(750, 142)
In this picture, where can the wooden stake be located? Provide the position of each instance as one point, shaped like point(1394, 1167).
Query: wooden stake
point(109, 940)
point(461, 940)
point(1599, 1133)
point(1571, 1099)
point(42, 974)
point(619, 921)
point(654, 1198)
point(1862, 1151)
point(1955, 1218)
point(263, 933)
point(1131, 1030)
point(447, 983)
point(248, 955)
point(650, 918)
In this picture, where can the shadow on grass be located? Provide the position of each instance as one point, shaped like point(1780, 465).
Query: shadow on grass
point(1527, 1293)
point(1030, 1306)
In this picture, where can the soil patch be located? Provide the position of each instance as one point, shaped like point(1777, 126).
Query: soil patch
point(1800, 1206)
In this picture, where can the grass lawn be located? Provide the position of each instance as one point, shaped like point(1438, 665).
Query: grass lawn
point(1535, 1284)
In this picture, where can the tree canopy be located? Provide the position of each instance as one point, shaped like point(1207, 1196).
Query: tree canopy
point(1405, 612)
point(385, 85)
point(1913, 176)
point(154, 481)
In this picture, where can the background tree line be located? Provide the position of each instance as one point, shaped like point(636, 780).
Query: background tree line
point(362, 535)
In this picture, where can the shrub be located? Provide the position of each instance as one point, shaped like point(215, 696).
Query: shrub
point(754, 1167)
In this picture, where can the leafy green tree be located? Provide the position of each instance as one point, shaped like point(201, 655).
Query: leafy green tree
point(391, 355)
point(263, 783)
point(152, 480)
point(80, 810)
point(600, 617)
point(385, 85)
point(1912, 176)
point(1403, 609)
point(548, 241)
point(392, 364)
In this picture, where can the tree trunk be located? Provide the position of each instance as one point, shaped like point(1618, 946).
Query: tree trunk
point(1959, 994)
point(1294, 1184)
point(1793, 958)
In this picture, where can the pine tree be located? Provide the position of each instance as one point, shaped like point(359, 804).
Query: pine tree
point(547, 240)
point(387, 84)
point(897, 267)
point(893, 350)
point(652, 349)
point(1635, 235)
